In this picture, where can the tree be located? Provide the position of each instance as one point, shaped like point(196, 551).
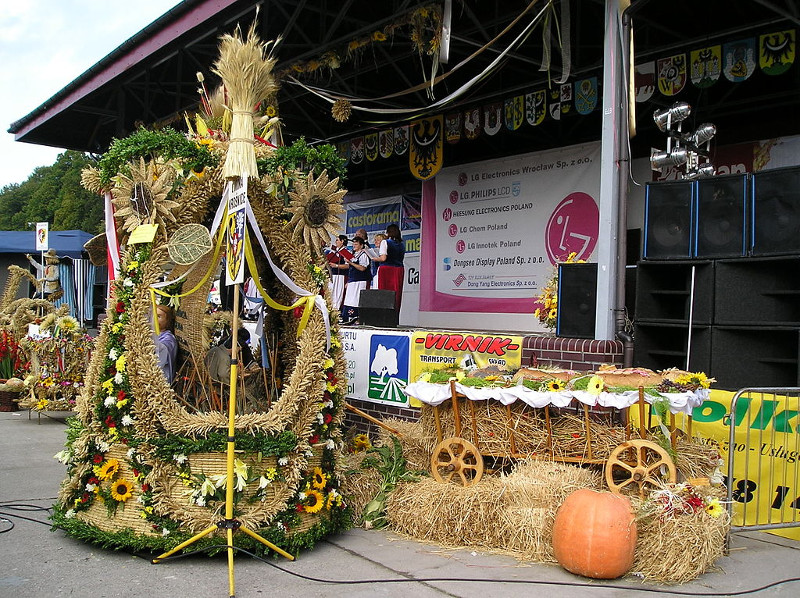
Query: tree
point(53, 194)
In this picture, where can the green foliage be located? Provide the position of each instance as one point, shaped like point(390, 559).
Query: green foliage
point(53, 194)
point(391, 464)
point(168, 446)
point(167, 143)
point(301, 156)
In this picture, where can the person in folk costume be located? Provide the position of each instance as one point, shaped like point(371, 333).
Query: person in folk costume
point(391, 271)
point(358, 276)
point(47, 275)
point(376, 243)
point(338, 267)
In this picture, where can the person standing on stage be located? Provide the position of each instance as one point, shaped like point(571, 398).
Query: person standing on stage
point(338, 266)
point(358, 275)
point(391, 271)
point(373, 253)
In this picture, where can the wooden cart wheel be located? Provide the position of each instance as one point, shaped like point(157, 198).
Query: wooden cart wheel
point(651, 466)
point(456, 459)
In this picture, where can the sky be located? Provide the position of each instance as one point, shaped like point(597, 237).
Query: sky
point(44, 45)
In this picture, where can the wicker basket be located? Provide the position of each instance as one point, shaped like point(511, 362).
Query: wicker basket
point(9, 400)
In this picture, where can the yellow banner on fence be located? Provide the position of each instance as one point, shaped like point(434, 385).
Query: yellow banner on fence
point(766, 471)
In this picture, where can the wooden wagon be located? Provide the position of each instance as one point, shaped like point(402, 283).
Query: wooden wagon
point(463, 449)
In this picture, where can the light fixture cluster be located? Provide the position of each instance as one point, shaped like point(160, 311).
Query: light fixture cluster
point(683, 149)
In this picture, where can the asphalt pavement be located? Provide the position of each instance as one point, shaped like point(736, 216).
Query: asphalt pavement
point(38, 562)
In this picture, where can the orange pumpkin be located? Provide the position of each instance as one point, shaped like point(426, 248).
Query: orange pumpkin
point(594, 534)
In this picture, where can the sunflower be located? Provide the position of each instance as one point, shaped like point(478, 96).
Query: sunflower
point(320, 479)
point(315, 501)
point(595, 385)
point(315, 206)
point(107, 470)
point(361, 441)
point(142, 197)
point(714, 508)
point(121, 490)
point(555, 386)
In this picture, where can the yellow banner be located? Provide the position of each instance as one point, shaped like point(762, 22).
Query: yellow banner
point(432, 350)
point(766, 471)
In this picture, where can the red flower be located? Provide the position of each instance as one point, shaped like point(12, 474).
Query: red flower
point(145, 487)
point(299, 508)
point(93, 480)
point(120, 307)
point(327, 395)
point(314, 439)
point(327, 418)
point(85, 497)
point(98, 458)
point(298, 311)
point(135, 472)
point(110, 422)
point(121, 395)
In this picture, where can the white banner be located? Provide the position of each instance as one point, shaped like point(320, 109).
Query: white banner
point(377, 364)
point(42, 236)
point(500, 226)
point(236, 192)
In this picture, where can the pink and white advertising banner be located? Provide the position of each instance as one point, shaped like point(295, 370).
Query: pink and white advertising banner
point(492, 231)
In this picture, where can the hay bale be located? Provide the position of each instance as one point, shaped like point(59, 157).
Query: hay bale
point(448, 514)
point(697, 458)
point(678, 549)
point(359, 486)
point(417, 445)
point(534, 492)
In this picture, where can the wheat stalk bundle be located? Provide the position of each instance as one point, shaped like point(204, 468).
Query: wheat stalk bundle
point(245, 67)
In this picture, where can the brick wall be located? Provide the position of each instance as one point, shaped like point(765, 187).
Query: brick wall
point(570, 353)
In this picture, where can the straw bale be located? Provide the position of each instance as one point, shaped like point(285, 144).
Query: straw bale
point(417, 445)
point(448, 514)
point(678, 549)
point(359, 486)
point(697, 458)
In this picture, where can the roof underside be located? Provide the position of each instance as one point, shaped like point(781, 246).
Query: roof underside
point(152, 77)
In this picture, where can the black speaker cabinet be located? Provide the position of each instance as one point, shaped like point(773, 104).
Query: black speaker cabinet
point(776, 211)
point(577, 298)
point(720, 217)
point(668, 220)
point(376, 308)
point(754, 356)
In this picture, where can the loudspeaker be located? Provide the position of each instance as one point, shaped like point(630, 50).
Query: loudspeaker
point(668, 220)
point(577, 298)
point(720, 216)
point(776, 211)
point(376, 308)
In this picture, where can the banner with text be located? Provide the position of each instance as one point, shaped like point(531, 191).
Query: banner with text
point(498, 228)
point(432, 350)
point(377, 365)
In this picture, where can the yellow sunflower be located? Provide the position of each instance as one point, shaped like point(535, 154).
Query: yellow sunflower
point(107, 470)
point(121, 490)
point(320, 479)
point(714, 508)
point(595, 385)
point(142, 197)
point(316, 206)
point(315, 501)
point(555, 386)
point(361, 441)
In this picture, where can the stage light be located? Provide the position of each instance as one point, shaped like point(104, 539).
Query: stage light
point(659, 159)
point(704, 133)
point(666, 117)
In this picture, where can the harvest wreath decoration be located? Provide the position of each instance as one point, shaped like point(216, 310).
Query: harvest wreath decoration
point(146, 465)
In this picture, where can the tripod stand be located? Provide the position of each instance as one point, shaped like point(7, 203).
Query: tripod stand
point(229, 524)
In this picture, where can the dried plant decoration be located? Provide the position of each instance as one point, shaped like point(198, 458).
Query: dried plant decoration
point(245, 67)
point(315, 206)
point(341, 110)
point(143, 197)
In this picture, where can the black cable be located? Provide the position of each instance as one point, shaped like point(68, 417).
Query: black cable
point(573, 584)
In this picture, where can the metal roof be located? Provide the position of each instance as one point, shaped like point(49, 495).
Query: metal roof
point(151, 78)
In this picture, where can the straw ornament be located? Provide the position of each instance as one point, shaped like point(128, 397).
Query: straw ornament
point(315, 206)
point(341, 110)
point(245, 67)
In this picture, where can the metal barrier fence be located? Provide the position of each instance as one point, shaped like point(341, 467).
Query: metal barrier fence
point(763, 478)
